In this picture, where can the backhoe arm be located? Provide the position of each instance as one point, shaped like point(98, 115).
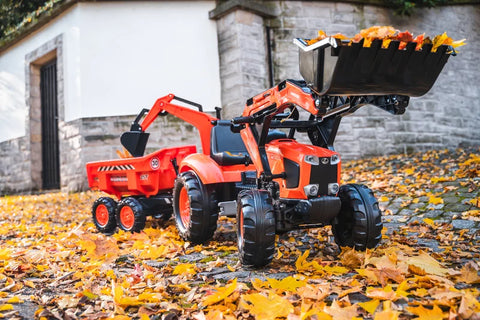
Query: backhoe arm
point(135, 139)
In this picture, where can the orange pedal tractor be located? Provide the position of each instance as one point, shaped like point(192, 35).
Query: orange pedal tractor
point(259, 167)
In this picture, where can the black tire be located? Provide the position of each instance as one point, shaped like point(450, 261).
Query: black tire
point(197, 205)
point(130, 215)
point(255, 228)
point(103, 214)
point(359, 223)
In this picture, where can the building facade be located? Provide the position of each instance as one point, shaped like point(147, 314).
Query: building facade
point(112, 59)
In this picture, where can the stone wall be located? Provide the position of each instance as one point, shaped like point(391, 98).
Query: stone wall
point(446, 117)
point(14, 166)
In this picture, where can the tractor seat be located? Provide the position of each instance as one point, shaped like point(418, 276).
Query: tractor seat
point(227, 147)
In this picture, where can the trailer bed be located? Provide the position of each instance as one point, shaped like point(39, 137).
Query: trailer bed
point(140, 176)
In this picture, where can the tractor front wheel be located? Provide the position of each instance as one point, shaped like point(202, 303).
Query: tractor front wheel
point(359, 223)
point(194, 208)
point(103, 213)
point(255, 228)
point(130, 215)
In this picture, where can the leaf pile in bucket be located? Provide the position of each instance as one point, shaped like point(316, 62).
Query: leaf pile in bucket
point(388, 34)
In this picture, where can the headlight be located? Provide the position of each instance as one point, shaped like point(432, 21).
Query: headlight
point(333, 188)
point(313, 160)
point(311, 190)
point(334, 159)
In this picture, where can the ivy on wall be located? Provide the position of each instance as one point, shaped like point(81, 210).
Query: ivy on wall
point(406, 7)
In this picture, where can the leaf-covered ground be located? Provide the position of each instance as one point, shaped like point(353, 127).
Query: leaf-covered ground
point(55, 265)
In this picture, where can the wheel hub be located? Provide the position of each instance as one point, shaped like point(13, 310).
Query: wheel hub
point(127, 218)
point(184, 207)
point(101, 214)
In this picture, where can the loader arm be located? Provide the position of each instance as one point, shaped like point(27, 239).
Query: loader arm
point(325, 111)
point(135, 139)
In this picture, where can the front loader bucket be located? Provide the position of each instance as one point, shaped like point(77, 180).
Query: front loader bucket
point(135, 142)
point(356, 70)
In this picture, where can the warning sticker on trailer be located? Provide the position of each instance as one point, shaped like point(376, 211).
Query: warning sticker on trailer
point(115, 168)
point(155, 163)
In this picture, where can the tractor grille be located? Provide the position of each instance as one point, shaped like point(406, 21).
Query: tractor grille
point(323, 174)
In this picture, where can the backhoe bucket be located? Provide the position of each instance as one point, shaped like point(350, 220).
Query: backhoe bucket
point(336, 68)
point(135, 142)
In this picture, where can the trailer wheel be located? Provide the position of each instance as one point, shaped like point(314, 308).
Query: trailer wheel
point(103, 213)
point(359, 223)
point(194, 208)
point(130, 215)
point(255, 228)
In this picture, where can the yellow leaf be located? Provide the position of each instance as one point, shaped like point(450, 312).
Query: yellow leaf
point(386, 293)
point(428, 264)
point(5, 254)
point(368, 273)
point(402, 289)
point(6, 307)
point(221, 294)
point(426, 314)
point(319, 315)
point(429, 221)
point(475, 202)
point(435, 200)
point(258, 284)
point(153, 252)
point(468, 306)
point(409, 171)
point(469, 274)
point(387, 313)
point(370, 306)
point(286, 284)
point(339, 312)
point(351, 258)
point(266, 308)
point(303, 265)
point(120, 299)
point(150, 297)
point(89, 294)
point(383, 199)
point(15, 299)
point(438, 41)
point(458, 43)
point(184, 268)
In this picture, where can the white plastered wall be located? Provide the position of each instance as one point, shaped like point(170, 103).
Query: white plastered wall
point(118, 57)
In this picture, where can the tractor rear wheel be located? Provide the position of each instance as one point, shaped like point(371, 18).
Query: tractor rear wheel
point(130, 215)
point(255, 228)
point(194, 208)
point(103, 213)
point(359, 223)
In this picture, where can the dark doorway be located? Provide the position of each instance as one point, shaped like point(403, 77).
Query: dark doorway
point(50, 150)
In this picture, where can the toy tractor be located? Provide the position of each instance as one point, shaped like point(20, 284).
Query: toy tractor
point(254, 167)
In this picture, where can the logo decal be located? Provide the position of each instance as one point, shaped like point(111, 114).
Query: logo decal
point(155, 163)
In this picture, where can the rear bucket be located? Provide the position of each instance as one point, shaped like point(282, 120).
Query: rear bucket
point(357, 70)
point(135, 142)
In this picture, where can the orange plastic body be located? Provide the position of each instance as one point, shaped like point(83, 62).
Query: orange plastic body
point(277, 150)
point(210, 172)
point(148, 175)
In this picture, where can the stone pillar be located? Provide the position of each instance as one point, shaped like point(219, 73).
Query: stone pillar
point(242, 50)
